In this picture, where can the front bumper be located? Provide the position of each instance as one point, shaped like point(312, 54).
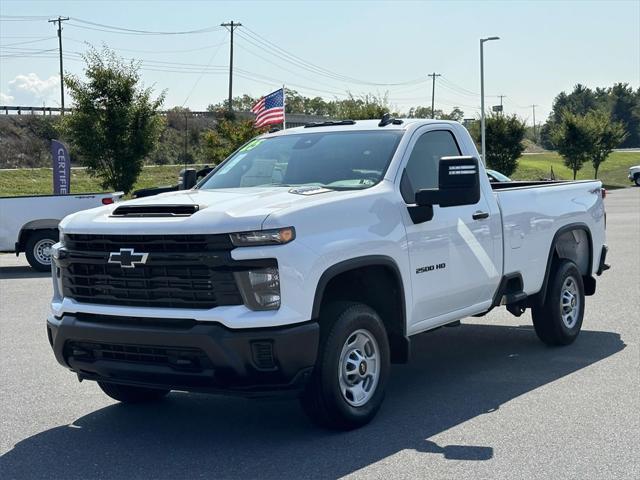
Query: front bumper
point(185, 355)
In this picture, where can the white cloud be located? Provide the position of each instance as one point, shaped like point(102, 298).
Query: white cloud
point(31, 90)
point(6, 99)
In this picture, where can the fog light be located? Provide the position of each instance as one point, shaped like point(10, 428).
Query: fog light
point(260, 288)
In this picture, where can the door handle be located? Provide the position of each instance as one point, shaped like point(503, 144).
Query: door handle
point(479, 215)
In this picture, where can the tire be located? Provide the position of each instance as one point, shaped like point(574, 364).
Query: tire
point(129, 394)
point(339, 397)
point(637, 179)
point(38, 249)
point(558, 319)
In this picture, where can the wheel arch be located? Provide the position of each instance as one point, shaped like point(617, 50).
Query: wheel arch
point(30, 227)
point(377, 272)
point(561, 248)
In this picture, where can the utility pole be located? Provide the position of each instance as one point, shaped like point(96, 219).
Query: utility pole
point(59, 21)
point(186, 135)
point(535, 136)
point(501, 108)
point(433, 92)
point(231, 26)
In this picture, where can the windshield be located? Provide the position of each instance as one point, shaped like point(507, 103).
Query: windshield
point(339, 160)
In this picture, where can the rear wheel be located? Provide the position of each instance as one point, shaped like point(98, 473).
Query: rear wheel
point(38, 249)
point(558, 319)
point(129, 394)
point(348, 382)
point(637, 179)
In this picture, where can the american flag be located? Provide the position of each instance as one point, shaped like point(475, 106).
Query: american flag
point(270, 109)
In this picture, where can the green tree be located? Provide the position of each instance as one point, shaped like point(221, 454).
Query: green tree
point(115, 122)
point(361, 108)
point(228, 136)
point(425, 112)
point(504, 135)
point(625, 109)
point(240, 104)
point(607, 135)
point(574, 137)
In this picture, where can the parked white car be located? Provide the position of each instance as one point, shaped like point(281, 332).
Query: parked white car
point(634, 174)
point(30, 223)
point(308, 259)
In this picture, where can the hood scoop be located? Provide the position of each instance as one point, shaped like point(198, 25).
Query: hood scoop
point(179, 210)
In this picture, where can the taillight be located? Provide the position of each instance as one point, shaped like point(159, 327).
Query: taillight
point(604, 193)
point(109, 200)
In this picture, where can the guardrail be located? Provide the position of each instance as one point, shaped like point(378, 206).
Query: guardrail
point(19, 110)
point(293, 119)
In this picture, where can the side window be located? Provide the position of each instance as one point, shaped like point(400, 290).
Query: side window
point(422, 168)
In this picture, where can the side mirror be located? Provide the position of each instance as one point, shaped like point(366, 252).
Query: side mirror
point(458, 181)
point(188, 178)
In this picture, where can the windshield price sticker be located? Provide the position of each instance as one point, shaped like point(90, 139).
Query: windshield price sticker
point(251, 145)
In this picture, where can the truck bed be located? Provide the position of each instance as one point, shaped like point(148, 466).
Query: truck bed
point(533, 213)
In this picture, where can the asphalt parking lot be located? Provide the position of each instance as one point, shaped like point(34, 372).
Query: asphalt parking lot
point(485, 400)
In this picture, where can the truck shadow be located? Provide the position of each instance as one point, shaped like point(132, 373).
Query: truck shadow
point(11, 273)
point(456, 374)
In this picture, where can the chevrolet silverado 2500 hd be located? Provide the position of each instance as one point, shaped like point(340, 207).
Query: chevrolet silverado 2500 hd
point(306, 261)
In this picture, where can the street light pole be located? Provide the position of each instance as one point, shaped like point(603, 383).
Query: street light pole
point(482, 133)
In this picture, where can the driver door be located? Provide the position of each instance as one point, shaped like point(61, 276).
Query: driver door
point(451, 255)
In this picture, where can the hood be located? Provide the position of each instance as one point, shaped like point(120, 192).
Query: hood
point(219, 211)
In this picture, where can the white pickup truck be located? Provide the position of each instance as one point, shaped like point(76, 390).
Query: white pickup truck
point(306, 261)
point(30, 223)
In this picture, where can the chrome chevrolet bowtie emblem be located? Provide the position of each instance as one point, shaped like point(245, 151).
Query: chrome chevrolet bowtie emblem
point(127, 258)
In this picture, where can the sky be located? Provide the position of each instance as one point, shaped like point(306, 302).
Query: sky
point(330, 48)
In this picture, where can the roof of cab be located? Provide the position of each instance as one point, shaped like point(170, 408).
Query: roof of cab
point(361, 125)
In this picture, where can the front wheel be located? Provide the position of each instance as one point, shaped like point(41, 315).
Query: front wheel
point(637, 179)
point(38, 249)
point(558, 319)
point(130, 394)
point(348, 382)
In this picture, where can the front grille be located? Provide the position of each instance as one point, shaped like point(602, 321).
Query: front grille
point(181, 271)
point(183, 359)
point(148, 243)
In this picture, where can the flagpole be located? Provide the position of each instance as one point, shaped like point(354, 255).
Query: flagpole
point(284, 108)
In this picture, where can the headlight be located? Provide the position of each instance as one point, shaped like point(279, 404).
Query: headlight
point(260, 288)
point(278, 236)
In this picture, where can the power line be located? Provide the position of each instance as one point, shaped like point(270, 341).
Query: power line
point(153, 52)
point(59, 21)
point(22, 18)
point(459, 88)
point(35, 53)
point(41, 39)
point(290, 57)
point(213, 55)
point(283, 68)
point(131, 31)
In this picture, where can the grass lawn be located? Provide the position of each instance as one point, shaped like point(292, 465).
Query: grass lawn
point(37, 181)
point(613, 172)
